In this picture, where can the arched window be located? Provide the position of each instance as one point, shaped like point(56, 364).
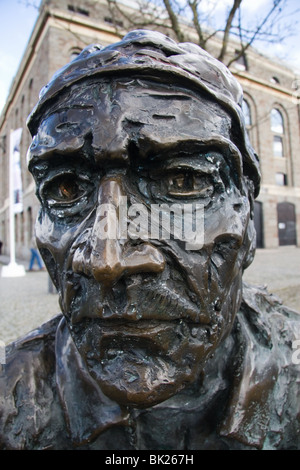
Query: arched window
point(277, 122)
point(74, 53)
point(277, 127)
point(247, 113)
point(275, 80)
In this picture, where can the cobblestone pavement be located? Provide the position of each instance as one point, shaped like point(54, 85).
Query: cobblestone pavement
point(26, 301)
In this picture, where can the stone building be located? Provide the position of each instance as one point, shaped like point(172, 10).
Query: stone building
point(64, 27)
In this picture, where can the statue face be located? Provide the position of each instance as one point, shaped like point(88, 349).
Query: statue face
point(144, 312)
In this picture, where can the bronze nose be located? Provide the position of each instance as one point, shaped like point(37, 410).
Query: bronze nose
point(108, 256)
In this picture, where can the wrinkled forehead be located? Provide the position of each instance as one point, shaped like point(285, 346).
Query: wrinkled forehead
point(107, 116)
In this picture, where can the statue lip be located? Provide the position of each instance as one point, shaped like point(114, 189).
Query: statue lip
point(138, 317)
point(136, 304)
point(153, 337)
point(128, 326)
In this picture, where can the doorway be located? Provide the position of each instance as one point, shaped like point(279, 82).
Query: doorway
point(286, 217)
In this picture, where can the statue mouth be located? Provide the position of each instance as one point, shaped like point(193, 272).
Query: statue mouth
point(138, 303)
point(137, 341)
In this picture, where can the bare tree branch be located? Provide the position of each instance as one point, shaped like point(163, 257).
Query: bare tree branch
point(193, 4)
point(230, 18)
point(255, 34)
point(185, 18)
point(174, 21)
point(144, 16)
point(33, 4)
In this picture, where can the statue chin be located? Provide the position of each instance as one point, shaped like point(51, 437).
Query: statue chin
point(140, 381)
point(143, 363)
point(142, 377)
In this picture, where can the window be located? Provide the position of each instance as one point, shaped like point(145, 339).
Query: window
point(74, 53)
point(3, 143)
point(241, 62)
point(277, 146)
point(281, 179)
point(277, 127)
point(115, 22)
point(84, 12)
point(276, 122)
point(247, 113)
point(79, 10)
point(275, 80)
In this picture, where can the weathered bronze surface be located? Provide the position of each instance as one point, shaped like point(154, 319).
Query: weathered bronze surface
point(160, 345)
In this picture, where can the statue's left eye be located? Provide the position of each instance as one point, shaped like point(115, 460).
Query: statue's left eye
point(189, 183)
point(64, 189)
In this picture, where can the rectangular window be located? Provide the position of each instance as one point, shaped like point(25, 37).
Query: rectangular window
point(82, 11)
point(109, 20)
point(79, 10)
point(281, 179)
point(3, 143)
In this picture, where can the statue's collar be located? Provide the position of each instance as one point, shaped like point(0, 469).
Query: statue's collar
point(88, 412)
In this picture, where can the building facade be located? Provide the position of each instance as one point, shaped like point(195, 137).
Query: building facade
point(271, 108)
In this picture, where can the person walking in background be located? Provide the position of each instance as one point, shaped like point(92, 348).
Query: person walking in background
point(1, 247)
point(34, 256)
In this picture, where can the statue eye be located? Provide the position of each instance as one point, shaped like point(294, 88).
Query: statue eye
point(64, 189)
point(189, 184)
point(68, 190)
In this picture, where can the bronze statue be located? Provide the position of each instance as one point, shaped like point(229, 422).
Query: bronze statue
point(160, 345)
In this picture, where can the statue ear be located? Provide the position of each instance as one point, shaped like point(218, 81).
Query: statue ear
point(250, 240)
point(250, 237)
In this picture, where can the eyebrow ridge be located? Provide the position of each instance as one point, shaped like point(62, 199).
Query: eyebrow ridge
point(230, 151)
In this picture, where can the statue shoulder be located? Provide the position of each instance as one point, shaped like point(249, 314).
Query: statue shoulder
point(271, 321)
point(274, 332)
point(27, 386)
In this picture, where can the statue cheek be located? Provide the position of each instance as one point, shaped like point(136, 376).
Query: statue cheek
point(228, 220)
point(60, 240)
point(48, 234)
point(54, 241)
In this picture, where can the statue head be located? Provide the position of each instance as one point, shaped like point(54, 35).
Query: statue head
point(146, 180)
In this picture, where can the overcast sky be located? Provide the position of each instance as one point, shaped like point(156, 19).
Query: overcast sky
point(17, 18)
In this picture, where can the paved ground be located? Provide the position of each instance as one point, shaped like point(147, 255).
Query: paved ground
point(26, 301)
point(279, 270)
